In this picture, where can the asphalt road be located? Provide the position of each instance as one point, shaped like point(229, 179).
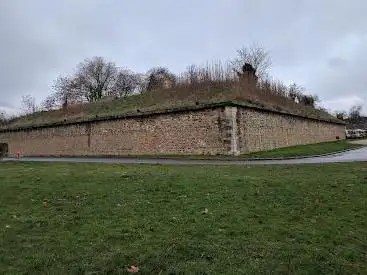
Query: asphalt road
point(350, 156)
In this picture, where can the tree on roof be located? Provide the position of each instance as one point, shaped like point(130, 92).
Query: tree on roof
point(254, 55)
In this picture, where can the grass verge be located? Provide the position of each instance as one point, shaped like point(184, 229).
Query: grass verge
point(100, 219)
point(306, 150)
point(287, 152)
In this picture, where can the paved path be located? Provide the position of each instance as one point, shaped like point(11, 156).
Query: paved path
point(354, 155)
point(359, 141)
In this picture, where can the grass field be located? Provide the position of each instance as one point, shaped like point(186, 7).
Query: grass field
point(101, 219)
point(293, 151)
point(307, 150)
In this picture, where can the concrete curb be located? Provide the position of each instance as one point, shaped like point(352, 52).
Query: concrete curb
point(194, 159)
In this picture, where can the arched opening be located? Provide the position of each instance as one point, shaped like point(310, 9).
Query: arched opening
point(4, 149)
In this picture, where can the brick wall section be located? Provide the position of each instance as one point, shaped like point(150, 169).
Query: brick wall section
point(261, 130)
point(222, 130)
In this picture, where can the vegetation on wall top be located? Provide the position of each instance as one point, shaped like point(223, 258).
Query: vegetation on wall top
point(100, 87)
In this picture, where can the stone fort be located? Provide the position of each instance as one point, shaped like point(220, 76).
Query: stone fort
point(231, 127)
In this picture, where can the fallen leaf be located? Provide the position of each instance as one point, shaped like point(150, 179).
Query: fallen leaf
point(133, 269)
point(206, 211)
point(316, 203)
point(45, 203)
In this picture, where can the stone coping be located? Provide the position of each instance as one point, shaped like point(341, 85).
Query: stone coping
point(142, 114)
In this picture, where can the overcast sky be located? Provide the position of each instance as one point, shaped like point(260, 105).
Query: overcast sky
point(320, 44)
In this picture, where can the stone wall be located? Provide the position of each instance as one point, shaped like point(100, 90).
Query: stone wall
point(221, 130)
point(176, 133)
point(261, 130)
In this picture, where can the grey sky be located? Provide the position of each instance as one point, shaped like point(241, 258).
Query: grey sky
point(319, 44)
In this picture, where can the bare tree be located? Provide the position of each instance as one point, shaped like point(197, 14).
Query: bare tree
point(278, 88)
point(28, 104)
point(160, 77)
point(355, 112)
point(49, 102)
point(95, 78)
point(192, 74)
point(143, 82)
point(67, 91)
point(295, 92)
point(126, 83)
point(256, 56)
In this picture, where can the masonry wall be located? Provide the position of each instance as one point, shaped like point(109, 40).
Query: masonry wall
point(261, 130)
point(229, 130)
point(180, 133)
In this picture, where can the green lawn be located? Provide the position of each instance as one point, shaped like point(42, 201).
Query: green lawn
point(306, 150)
point(293, 151)
point(308, 219)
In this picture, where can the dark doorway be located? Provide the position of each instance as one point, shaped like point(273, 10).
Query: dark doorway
point(3, 150)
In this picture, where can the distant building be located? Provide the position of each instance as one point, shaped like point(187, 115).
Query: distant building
point(360, 123)
point(356, 133)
